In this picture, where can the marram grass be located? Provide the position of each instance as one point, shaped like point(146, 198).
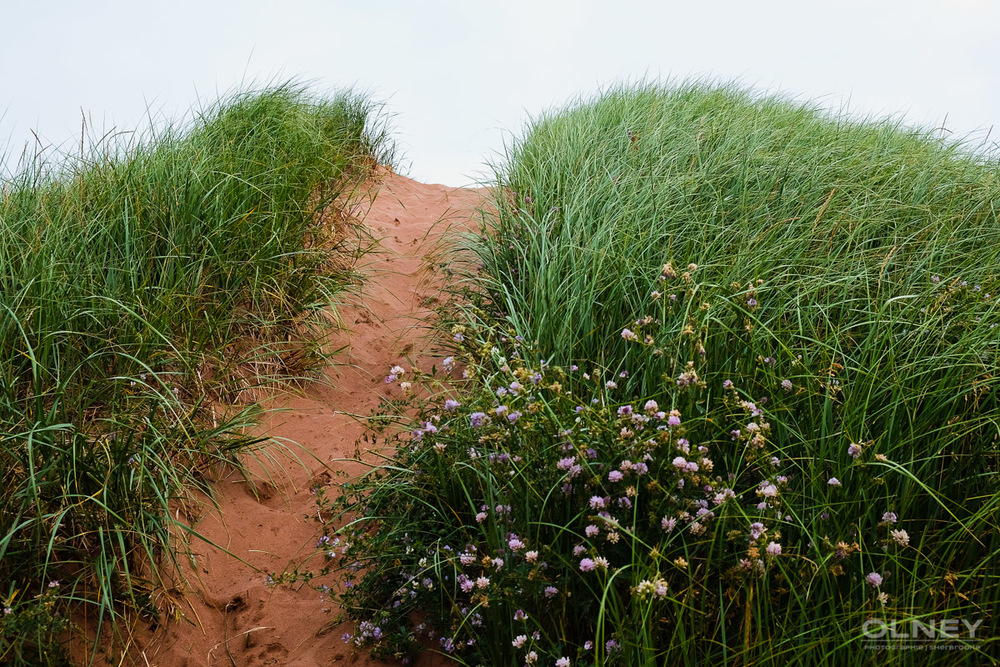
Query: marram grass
point(144, 281)
point(730, 398)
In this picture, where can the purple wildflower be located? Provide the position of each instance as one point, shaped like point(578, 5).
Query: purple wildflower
point(566, 463)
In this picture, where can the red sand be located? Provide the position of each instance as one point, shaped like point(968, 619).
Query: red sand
point(230, 616)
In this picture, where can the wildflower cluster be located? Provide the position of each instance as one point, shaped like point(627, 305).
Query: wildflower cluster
point(38, 616)
point(529, 496)
point(525, 499)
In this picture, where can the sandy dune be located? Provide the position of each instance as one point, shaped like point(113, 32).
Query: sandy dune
point(230, 616)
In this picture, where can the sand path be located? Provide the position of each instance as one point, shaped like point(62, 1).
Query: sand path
point(231, 616)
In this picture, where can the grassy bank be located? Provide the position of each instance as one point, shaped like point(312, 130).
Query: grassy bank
point(145, 284)
point(731, 400)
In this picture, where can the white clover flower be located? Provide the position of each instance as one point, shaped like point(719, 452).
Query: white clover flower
point(645, 588)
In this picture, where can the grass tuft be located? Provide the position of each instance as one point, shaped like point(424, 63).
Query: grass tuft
point(147, 283)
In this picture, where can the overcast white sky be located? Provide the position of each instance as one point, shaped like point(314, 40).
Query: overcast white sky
point(461, 75)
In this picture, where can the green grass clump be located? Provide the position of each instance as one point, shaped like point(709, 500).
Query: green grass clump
point(836, 217)
point(752, 350)
point(144, 281)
